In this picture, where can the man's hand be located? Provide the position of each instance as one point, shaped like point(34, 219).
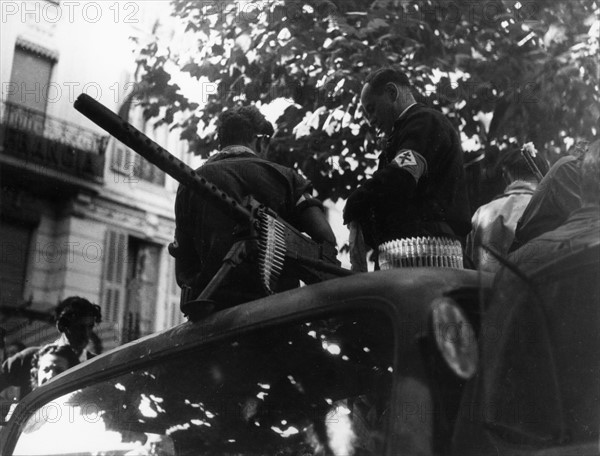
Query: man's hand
point(313, 222)
point(358, 248)
point(359, 204)
point(390, 185)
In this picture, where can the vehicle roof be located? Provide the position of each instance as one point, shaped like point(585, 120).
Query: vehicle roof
point(405, 292)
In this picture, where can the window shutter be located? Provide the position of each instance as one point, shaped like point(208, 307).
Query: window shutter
point(31, 71)
point(115, 270)
point(174, 315)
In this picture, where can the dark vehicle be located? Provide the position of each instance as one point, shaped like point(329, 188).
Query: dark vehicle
point(372, 364)
point(538, 386)
point(332, 368)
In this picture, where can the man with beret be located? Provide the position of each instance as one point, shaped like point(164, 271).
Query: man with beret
point(205, 232)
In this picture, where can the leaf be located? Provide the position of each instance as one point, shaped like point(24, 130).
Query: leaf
point(376, 23)
point(217, 49)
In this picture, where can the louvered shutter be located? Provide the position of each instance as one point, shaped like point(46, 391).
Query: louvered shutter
point(114, 290)
point(174, 315)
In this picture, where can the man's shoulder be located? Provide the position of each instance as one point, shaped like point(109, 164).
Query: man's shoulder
point(486, 213)
point(564, 166)
point(217, 163)
point(421, 110)
point(519, 187)
point(578, 230)
point(422, 118)
point(244, 162)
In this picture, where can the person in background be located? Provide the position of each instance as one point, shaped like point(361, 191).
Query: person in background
point(547, 317)
point(49, 361)
point(75, 320)
point(46, 363)
point(557, 195)
point(494, 224)
point(581, 228)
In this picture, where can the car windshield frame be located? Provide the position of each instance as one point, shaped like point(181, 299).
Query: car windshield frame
point(70, 381)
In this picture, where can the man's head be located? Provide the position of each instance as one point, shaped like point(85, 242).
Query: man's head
point(386, 93)
point(513, 166)
point(75, 319)
point(244, 126)
point(50, 361)
point(590, 175)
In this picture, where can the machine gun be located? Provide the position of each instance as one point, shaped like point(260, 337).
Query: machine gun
point(270, 240)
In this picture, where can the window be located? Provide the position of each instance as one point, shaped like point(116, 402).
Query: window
point(133, 167)
point(142, 289)
point(130, 284)
point(30, 78)
point(128, 163)
point(115, 270)
point(319, 387)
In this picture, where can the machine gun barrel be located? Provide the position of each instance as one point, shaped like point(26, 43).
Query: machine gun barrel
point(154, 153)
point(314, 261)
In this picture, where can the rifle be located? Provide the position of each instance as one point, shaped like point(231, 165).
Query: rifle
point(275, 242)
point(529, 152)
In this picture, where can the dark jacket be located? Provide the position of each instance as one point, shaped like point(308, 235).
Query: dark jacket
point(436, 205)
point(581, 228)
point(205, 231)
point(555, 198)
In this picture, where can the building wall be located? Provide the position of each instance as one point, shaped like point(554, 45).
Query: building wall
point(68, 250)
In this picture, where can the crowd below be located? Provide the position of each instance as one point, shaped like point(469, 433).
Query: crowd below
point(25, 369)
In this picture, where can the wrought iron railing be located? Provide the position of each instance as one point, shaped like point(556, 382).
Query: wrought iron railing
point(34, 138)
point(24, 119)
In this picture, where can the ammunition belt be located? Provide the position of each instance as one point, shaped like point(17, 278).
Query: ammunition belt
point(439, 252)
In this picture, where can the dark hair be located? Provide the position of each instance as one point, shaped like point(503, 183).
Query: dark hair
point(590, 174)
point(240, 125)
point(73, 308)
point(64, 351)
point(379, 78)
point(512, 161)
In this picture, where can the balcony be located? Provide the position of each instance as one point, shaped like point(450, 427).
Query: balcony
point(33, 141)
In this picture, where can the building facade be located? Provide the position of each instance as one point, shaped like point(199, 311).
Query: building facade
point(80, 213)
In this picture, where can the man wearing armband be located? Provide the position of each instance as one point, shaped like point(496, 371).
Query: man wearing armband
point(205, 231)
point(414, 210)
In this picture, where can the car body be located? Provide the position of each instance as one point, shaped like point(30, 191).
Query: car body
point(391, 309)
point(537, 390)
point(348, 366)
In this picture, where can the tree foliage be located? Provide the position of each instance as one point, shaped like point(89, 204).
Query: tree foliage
point(502, 70)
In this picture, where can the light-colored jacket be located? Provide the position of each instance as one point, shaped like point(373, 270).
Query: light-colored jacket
point(494, 224)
